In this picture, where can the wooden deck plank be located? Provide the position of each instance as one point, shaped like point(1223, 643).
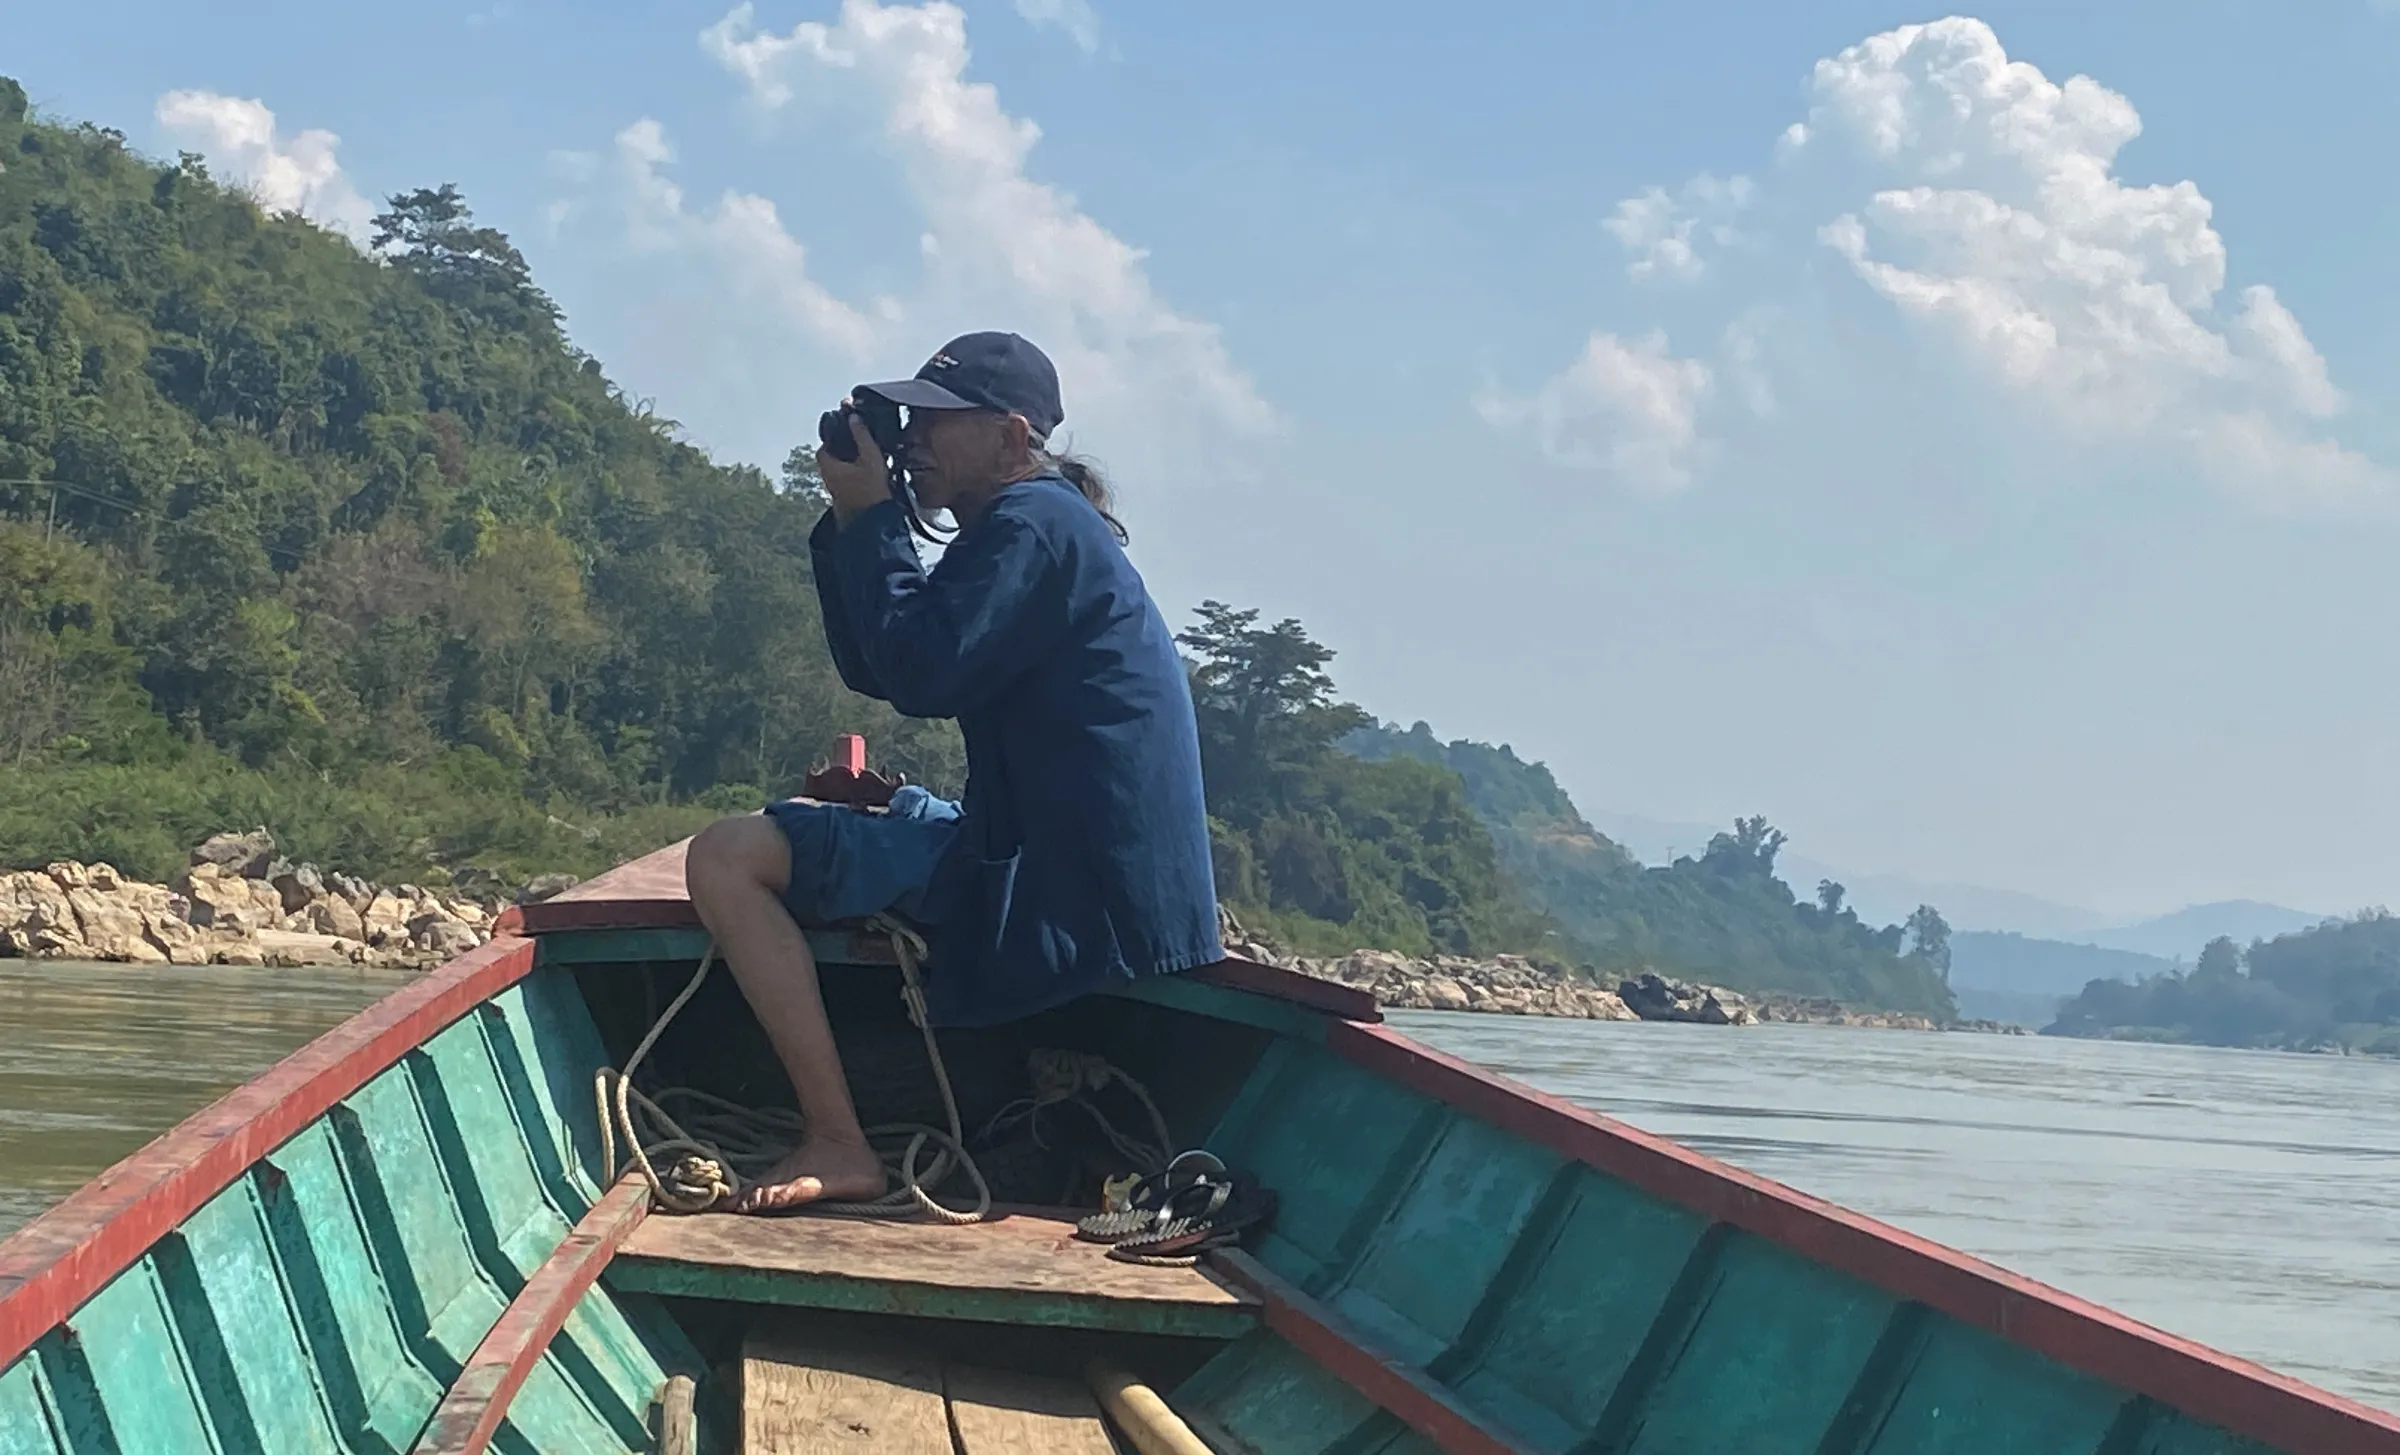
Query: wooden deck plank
point(800, 1397)
point(1022, 1267)
point(1000, 1412)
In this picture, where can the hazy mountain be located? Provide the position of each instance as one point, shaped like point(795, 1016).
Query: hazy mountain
point(2029, 1009)
point(1878, 898)
point(2021, 964)
point(2181, 934)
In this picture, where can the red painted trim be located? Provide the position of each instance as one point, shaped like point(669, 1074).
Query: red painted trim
point(464, 1422)
point(549, 916)
point(1347, 1002)
point(2240, 1396)
point(49, 1267)
point(1390, 1382)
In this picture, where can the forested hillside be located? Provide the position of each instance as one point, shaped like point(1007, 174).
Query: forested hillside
point(2336, 986)
point(362, 545)
point(357, 545)
point(1723, 917)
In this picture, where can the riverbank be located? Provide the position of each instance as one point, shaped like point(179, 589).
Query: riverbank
point(1513, 985)
point(237, 903)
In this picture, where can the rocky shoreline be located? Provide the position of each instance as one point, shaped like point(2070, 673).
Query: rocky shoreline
point(238, 903)
point(1512, 985)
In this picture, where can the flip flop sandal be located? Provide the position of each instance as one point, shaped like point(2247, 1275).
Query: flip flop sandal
point(1148, 1197)
point(1213, 1216)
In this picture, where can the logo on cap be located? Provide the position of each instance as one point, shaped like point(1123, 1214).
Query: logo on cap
point(941, 361)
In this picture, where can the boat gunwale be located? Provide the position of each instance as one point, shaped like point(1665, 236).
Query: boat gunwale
point(53, 1265)
point(2242, 1397)
point(470, 1411)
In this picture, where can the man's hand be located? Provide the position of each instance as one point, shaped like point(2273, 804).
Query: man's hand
point(853, 485)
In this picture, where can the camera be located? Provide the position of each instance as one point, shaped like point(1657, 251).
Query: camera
point(883, 426)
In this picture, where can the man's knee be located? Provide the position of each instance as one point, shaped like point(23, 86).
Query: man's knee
point(743, 851)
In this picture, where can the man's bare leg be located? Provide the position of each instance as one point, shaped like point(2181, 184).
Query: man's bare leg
point(736, 872)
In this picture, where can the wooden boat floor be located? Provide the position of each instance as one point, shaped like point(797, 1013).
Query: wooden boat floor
point(1023, 1266)
point(803, 1396)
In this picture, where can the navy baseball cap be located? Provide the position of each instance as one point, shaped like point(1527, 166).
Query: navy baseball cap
point(983, 371)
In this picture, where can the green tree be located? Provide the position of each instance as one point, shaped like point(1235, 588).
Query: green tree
point(1929, 938)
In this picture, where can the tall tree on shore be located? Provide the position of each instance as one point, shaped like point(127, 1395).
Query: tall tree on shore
point(1929, 938)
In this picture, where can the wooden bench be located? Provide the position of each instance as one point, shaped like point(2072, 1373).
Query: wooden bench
point(1024, 1266)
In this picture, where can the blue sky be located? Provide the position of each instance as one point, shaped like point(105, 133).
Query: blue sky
point(1990, 480)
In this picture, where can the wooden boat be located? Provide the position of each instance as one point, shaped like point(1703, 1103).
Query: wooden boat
point(398, 1239)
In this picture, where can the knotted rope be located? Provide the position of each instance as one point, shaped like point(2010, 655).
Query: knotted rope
point(1062, 1077)
point(718, 1148)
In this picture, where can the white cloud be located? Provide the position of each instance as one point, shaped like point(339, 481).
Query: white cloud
point(1629, 411)
point(1977, 201)
point(743, 240)
point(295, 174)
point(1075, 17)
point(1146, 385)
point(1659, 229)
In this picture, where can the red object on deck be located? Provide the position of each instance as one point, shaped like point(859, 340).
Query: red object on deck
point(846, 780)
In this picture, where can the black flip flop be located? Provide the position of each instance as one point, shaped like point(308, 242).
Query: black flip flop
point(1214, 1215)
point(1149, 1197)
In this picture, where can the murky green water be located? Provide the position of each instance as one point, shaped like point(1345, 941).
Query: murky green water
point(95, 1060)
point(2248, 1200)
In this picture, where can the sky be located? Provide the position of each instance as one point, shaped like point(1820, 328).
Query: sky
point(1966, 439)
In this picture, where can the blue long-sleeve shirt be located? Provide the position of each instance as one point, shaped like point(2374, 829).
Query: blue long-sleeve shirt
point(1082, 855)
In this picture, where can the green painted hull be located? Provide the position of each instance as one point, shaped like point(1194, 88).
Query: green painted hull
point(328, 1298)
point(1455, 1264)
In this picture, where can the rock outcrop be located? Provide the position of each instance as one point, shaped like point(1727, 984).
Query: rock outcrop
point(1653, 997)
point(1510, 985)
point(236, 904)
point(1505, 986)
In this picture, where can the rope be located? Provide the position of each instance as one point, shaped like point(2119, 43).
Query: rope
point(719, 1148)
point(1061, 1077)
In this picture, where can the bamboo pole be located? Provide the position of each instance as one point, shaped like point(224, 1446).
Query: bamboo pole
point(1141, 1414)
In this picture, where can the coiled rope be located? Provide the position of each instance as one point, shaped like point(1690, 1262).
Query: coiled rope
point(1062, 1078)
point(719, 1148)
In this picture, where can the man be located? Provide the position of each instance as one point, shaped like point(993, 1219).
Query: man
point(1080, 855)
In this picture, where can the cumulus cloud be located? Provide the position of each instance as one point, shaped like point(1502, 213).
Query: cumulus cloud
point(1626, 410)
point(299, 173)
point(1659, 229)
point(992, 246)
point(741, 237)
point(1075, 17)
point(1977, 201)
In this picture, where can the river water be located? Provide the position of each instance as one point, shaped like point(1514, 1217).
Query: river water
point(2245, 1199)
point(95, 1060)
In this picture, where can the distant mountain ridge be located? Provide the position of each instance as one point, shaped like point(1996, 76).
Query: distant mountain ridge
point(2021, 964)
point(1981, 909)
point(2179, 936)
point(1725, 913)
point(1883, 897)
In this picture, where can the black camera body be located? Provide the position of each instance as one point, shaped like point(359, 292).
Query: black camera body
point(883, 427)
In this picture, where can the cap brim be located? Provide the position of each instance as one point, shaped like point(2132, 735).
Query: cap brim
point(917, 394)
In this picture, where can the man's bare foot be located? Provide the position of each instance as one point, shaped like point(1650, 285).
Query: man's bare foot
point(816, 1171)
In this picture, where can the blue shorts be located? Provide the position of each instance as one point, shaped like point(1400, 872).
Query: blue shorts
point(849, 865)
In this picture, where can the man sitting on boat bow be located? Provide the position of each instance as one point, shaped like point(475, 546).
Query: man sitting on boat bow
point(1079, 855)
